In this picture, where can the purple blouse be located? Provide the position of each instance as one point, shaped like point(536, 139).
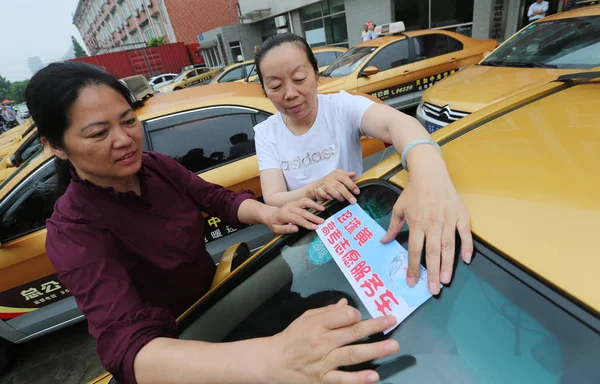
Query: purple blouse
point(135, 263)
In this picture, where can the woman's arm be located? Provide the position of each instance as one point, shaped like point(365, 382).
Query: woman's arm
point(281, 220)
point(429, 203)
point(336, 185)
point(308, 351)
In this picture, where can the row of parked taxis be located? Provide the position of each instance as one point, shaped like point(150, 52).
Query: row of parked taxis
point(524, 160)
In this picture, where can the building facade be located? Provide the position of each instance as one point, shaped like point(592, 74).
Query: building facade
point(115, 25)
point(340, 22)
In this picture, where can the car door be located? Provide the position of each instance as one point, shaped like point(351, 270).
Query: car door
point(217, 143)
point(28, 281)
point(394, 81)
point(436, 57)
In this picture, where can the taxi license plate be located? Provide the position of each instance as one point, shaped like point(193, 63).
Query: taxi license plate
point(432, 127)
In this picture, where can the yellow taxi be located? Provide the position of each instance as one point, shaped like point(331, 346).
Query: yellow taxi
point(15, 134)
point(207, 129)
point(16, 153)
point(246, 70)
point(398, 66)
point(526, 309)
point(559, 44)
point(190, 77)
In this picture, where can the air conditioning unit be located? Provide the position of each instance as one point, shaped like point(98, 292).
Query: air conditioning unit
point(280, 21)
point(282, 30)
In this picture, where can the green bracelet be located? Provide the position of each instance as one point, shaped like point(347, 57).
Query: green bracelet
point(414, 144)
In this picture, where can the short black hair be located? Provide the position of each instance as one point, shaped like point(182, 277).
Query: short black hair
point(51, 93)
point(277, 40)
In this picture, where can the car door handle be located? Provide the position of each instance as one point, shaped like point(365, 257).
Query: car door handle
point(452, 59)
point(405, 72)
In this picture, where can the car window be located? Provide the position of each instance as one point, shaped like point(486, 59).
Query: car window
point(487, 326)
point(571, 43)
point(190, 75)
point(349, 62)
point(202, 70)
point(250, 70)
point(325, 58)
point(391, 56)
point(433, 45)
point(207, 142)
point(28, 206)
point(233, 75)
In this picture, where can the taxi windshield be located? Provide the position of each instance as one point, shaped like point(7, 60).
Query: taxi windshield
point(567, 44)
point(348, 62)
point(487, 326)
point(179, 77)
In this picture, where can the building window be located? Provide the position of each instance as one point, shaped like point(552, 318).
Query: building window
point(236, 51)
point(455, 15)
point(212, 57)
point(159, 27)
point(325, 23)
point(126, 11)
point(147, 31)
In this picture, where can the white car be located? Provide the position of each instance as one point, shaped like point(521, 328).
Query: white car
point(160, 81)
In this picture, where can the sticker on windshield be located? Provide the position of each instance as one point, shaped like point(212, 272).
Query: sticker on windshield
point(376, 271)
point(317, 252)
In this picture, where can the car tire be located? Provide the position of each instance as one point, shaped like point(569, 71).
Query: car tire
point(7, 355)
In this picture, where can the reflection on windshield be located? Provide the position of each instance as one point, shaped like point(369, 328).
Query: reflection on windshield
point(348, 62)
point(570, 43)
point(179, 78)
point(486, 327)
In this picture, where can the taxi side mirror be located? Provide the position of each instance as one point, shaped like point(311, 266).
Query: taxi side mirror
point(10, 161)
point(370, 71)
point(231, 259)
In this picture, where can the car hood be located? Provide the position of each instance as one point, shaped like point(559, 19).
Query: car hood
point(529, 181)
point(478, 86)
point(333, 84)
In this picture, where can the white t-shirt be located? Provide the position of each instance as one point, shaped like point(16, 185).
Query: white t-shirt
point(333, 142)
point(543, 6)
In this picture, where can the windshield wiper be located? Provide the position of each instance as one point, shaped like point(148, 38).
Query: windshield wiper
point(492, 63)
point(530, 64)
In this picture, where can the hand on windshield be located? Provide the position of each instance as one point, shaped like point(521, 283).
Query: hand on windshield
point(312, 348)
point(434, 212)
point(338, 185)
point(286, 219)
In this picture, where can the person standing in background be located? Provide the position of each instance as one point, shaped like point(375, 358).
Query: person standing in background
point(537, 10)
point(364, 31)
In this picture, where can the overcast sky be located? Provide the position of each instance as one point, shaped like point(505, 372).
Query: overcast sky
point(34, 28)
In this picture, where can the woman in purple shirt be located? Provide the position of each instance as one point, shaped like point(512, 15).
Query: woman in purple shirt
point(126, 239)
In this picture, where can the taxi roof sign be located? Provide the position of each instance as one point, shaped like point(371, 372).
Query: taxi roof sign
point(390, 28)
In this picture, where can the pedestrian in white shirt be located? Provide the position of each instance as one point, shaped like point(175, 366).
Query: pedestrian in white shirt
point(537, 10)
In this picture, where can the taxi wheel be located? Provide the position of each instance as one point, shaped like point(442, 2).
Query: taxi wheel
point(6, 355)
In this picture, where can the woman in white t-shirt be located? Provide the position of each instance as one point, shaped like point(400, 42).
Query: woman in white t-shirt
point(311, 148)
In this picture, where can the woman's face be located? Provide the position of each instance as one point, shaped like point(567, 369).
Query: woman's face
point(104, 138)
point(289, 80)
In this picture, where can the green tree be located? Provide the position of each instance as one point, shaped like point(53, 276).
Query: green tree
point(79, 51)
point(4, 88)
point(156, 41)
point(17, 91)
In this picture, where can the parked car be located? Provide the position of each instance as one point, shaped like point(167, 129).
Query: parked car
point(327, 55)
point(189, 78)
point(139, 86)
point(23, 111)
point(199, 128)
point(246, 70)
point(161, 80)
point(555, 45)
point(525, 310)
point(399, 66)
point(19, 151)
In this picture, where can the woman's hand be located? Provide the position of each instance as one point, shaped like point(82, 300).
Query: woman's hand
point(434, 212)
point(338, 185)
point(286, 219)
point(312, 348)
